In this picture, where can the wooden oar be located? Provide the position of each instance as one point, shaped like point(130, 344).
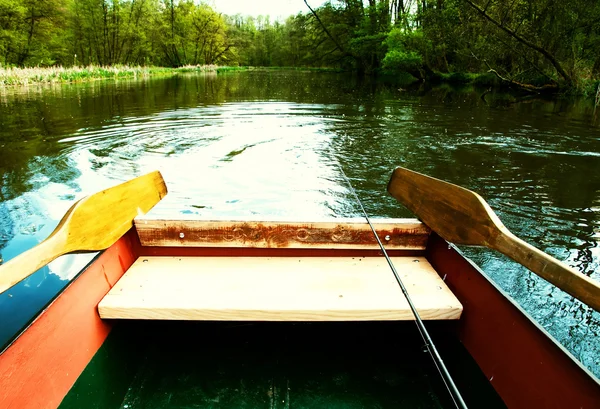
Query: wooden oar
point(463, 217)
point(93, 223)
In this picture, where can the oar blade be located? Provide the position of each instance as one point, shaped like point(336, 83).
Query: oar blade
point(99, 220)
point(94, 223)
point(455, 213)
point(463, 217)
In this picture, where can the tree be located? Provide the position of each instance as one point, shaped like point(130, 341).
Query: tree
point(26, 30)
point(529, 43)
point(12, 13)
point(536, 46)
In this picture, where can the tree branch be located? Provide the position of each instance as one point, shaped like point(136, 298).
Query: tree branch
point(534, 66)
point(337, 44)
point(548, 89)
point(522, 40)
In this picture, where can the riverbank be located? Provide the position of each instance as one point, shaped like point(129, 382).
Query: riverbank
point(49, 75)
point(583, 87)
point(55, 75)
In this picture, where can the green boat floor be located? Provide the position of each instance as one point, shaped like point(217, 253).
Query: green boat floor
point(281, 365)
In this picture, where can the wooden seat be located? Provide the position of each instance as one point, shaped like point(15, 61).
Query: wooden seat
point(278, 289)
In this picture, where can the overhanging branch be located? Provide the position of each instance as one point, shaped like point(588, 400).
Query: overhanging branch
point(524, 41)
point(337, 44)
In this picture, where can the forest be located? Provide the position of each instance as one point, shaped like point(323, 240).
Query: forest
point(531, 44)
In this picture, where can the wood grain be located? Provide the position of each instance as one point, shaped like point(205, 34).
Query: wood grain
point(93, 223)
point(463, 217)
point(407, 234)
point(278, 289)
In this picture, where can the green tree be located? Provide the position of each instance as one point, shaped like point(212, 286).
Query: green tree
point(27, 31)
point(12, 13)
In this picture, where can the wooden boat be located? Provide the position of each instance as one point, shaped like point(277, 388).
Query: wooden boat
point(233, 314)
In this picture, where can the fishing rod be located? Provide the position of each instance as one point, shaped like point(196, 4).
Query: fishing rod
point(437, 359)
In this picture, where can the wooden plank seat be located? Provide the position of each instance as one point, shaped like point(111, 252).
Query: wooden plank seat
point(335, 280)
point(278, 289)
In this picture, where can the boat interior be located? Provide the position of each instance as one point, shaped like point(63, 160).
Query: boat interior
point(255, 314)
point(223, 314)
point(234, 314)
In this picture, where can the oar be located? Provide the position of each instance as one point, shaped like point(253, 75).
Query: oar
point(93, 223)
point(461, 216)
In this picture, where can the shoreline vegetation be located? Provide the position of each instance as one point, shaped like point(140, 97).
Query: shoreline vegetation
point(15, 76)
point(50, 75)
point(526, 46)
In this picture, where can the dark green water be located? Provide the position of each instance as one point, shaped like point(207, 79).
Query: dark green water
point(270, 144)
point(235, 365)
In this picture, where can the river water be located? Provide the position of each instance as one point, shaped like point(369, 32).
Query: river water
point(271, 144)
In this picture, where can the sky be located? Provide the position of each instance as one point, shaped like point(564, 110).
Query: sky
point(274, 8)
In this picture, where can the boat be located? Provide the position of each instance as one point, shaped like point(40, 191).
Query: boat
point(193, 313)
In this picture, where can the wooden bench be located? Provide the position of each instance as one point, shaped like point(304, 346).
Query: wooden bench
point(279, 288)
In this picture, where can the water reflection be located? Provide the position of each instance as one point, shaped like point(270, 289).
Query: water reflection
point(269, 144)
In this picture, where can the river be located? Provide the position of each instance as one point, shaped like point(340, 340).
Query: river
point(272, 143)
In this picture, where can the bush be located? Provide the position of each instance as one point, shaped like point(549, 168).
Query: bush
point(458, 78)
point(405, 51)
point(400, 60)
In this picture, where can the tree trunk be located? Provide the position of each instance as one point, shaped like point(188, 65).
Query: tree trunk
point(385, 19)
point(596, 67)
point(25, 53)
point(176, 61)
point(373, 16)
point(544, 89)
point(105, 57)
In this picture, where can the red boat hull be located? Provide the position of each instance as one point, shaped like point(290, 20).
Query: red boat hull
point(39, 368)
point(525, 365)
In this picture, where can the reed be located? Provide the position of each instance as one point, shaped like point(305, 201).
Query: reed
point(46, 75)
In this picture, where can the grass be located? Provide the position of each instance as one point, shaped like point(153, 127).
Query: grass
point(231, 69)
point(48, 75)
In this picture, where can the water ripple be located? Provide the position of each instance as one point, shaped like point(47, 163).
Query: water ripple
point(234, 148)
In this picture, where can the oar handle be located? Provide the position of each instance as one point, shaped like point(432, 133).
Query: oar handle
point(29, 261)
point(93, 223)
point(564, 277)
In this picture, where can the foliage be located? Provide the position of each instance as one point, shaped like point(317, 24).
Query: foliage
point(533, 41)
point(401, 60)
point(407, 51)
